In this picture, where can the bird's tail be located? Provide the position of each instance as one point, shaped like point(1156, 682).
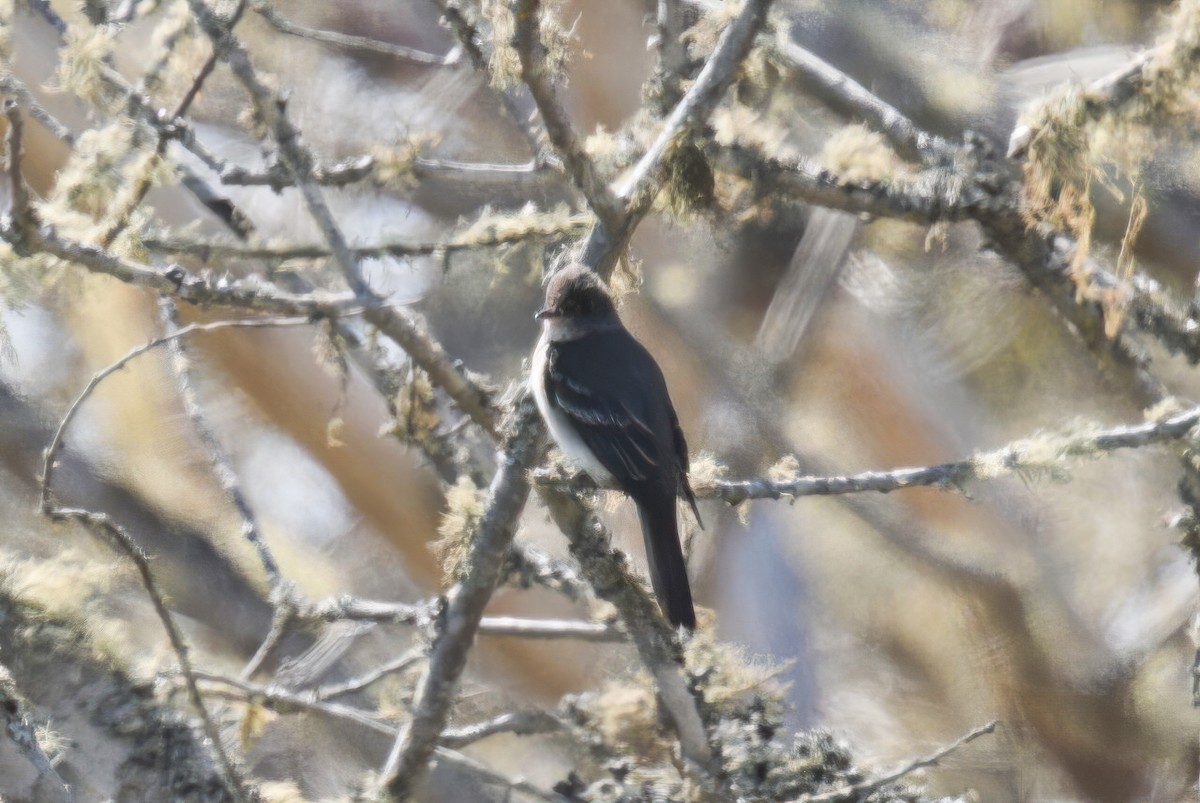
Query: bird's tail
point(668, 571)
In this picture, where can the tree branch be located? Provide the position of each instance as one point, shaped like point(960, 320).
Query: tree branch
point(528, 44)
point(1041, 452)
point(284, 25)
point(458, 620)
point(863, 789)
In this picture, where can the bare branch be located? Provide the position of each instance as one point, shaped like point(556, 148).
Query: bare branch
point(533, 231)
point(101, 525)
point(528, 44)
point(637, 189)
point(1040, 452)
point(284, 25)
point(51, 456)
point(458, 620)
point(218, 458)
point(863, 789)
point(519, 723)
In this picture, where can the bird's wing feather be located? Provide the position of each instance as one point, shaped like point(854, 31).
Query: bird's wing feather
point(614, 393)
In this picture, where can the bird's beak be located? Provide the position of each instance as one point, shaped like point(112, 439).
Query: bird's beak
point(546, 312)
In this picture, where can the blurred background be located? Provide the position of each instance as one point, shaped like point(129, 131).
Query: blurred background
point(1058, 604)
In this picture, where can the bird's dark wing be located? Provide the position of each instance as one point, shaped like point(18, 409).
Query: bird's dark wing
point(614, 394)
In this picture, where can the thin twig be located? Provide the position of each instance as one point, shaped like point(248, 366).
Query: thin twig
point(863, 789)
point(51, 455)
point(11, 85)
point(109, 531)
point(398, 664)
point(281, 620)
point(218, 458)
point(284, 25)
point(534, 231)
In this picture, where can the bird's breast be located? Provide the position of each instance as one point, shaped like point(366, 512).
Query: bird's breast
point(559, 423)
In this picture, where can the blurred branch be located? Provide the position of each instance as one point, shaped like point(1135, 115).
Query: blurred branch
point(636, 190)
point(284, 25)
point(21, 214)
point(529, 566)
point(18, 724)
point(845, 95)
point(398, 664)
point(519, 723)
point(1043, 255)
point(672, 20)
point(294, 155)
point(107, 530)
point(218, 458)
point(864, 789)
point(11, 85)
point(469, 37)
point(1041, 452)
point(50, 459)
point(537, 77)
point(516, 232)
point(458, 620)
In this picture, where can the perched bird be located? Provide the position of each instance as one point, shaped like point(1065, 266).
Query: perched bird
point(606, 404)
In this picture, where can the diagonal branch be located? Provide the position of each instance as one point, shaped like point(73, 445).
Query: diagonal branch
point(537, 77)
point(863, 790)
point(638, 188)
point(402, 326)
point(458, 621)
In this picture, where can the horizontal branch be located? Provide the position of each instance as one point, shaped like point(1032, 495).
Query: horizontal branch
point(515, 232)
point(1043, 452)
point(349, 42)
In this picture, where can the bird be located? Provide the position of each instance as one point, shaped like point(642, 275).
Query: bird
point(605, 402)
